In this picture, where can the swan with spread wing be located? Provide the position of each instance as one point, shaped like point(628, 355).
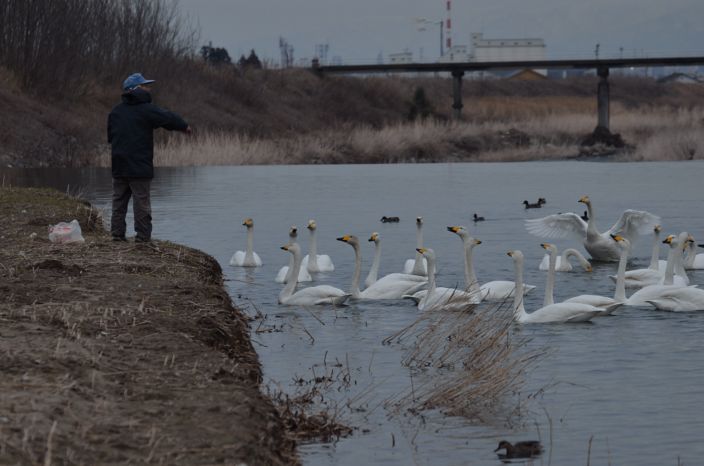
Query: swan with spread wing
point(599, 245)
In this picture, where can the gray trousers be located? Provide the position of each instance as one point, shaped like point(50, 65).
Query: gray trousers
point(122, 190)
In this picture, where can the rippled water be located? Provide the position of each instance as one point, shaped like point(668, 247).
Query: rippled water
point(635, 381)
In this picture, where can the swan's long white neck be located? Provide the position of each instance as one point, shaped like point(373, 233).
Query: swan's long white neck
point(470, 279)
point(354, 289)
point(655, 255)
point(418, 265)
point(550, 285)
point(679, 264)
point(431, 274)
point(292, 276)
point(591, 224)
point(566, 254)
point(620, 293)
point(249, 253)
point(570, 252)
point(374, 271)
point(670, 269)
point(291, 240)
point(518, 309)
point(691, 256)
point(313, 250)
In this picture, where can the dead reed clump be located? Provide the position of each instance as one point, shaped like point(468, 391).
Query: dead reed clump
point(309, 413)
point(467, 364)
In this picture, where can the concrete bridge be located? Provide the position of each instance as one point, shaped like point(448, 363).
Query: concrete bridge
point(457, 70)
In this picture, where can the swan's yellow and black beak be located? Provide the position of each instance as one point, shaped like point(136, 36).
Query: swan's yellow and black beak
point(421, 250)
point(453, 229)
point(248, 222)
point(617, 238)
point(669, 239)
point(510, 253)
point(311, 225)
point(285, 247)
point(690, 239)
point(374, 237)
point(588, 268)
point(477, 241)
point(545, 245)
point(584, 200)
point(345, 239)
point(657, 228)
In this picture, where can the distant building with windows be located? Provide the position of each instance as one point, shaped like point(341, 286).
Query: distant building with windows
point(456, 53)
point(506, 49)
point(401, 57)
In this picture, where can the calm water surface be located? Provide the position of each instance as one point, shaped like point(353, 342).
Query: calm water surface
point(635, 381)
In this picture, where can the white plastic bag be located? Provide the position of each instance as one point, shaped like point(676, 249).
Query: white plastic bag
point(66, 233)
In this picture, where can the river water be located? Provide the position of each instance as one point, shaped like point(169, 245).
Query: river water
point(632, 383)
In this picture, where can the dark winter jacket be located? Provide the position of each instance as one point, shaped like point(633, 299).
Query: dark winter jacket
point(130, 131)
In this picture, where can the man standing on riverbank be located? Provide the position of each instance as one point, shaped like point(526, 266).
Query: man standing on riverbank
point(131, 125)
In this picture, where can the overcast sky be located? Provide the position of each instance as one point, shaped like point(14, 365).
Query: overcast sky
point(358, 30)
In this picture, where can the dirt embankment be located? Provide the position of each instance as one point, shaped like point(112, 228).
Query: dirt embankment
point(116, 353)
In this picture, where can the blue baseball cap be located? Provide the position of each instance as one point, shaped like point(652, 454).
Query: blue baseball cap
point(135, 80)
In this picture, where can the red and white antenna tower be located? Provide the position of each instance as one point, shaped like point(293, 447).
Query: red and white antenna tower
point(448, 26)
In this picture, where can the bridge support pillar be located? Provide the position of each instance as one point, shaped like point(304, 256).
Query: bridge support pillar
point(603, 98)
point(457, 94)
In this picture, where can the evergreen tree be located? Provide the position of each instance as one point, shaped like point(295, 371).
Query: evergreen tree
point(420, 106)
point(253, 60)
point(215, 56)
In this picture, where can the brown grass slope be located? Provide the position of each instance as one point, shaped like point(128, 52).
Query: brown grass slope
point(114, 353)
point(296, 108)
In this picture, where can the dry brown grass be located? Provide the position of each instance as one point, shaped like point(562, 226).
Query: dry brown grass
point(553, 132)
point(294, 116)
point(468, 363)
point(122, 353)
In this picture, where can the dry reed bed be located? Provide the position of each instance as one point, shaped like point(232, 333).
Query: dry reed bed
point(118, 353)
point(653, 134)
point(467, 363)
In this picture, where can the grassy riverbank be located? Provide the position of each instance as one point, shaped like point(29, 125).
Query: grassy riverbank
point(661, 135)
point(122, 353)
point(294, 117)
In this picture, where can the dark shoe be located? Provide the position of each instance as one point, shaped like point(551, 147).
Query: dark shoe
point(139, 239)
point(119, 238)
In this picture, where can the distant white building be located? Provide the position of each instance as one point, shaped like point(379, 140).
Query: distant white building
point(456, 53)
point(506, 49)
point(401, 57)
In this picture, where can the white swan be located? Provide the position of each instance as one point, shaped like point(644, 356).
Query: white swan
point(247, 258)
point(599, 245)
point(373, 274)
point(639, 278)
point(303, 275)
point(693, 261)
point(562, 263)
point(496, 290)
point(441, 297)
point(321, 294)
point(419, 265)
point(552, 313)
point(674, 258)
point(604, 302)
point(392, 286)
point(314, 262)
point(683, 298)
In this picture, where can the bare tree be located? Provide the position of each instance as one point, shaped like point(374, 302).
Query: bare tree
point(63, 45)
